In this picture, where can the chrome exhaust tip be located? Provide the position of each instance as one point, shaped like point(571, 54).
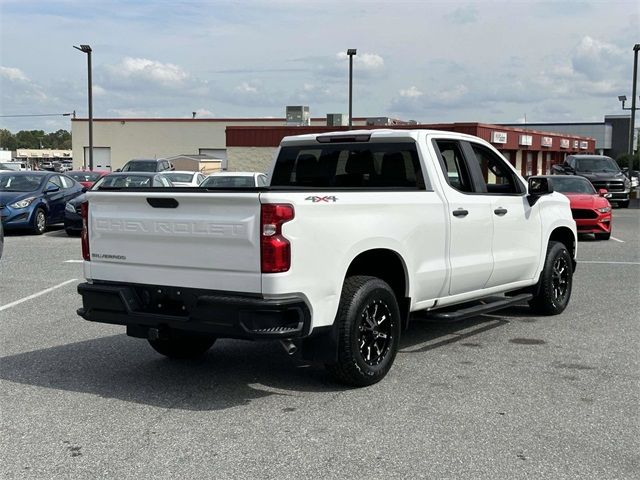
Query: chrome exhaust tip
point(289, 346)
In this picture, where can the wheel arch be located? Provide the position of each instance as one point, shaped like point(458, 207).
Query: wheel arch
point(565, 236)
point(388, 265)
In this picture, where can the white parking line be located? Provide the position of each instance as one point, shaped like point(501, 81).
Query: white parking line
point(73, 261)
point(617, 239)
point(42, 292)
point(609, 263)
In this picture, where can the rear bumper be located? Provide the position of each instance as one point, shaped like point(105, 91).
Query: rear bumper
point(220, 314)
point(72, 221)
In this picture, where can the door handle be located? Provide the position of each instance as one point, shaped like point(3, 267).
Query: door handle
point(500, 211)
point(460, 212)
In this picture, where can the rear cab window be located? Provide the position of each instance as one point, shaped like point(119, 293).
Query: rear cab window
point(357, 165)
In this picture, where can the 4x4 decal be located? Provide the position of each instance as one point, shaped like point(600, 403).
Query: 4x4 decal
point(316, 199)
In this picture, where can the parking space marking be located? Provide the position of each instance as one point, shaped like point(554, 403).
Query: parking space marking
point(73, 261)
point(41, 292)
point(609, 263)
point(617, 239)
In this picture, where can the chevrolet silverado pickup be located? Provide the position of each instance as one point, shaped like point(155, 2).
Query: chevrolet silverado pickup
point(355, 231)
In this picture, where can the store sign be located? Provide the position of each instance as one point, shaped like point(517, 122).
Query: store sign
point(546, 141)
point(498, 137)
point(526, 140)
point(564, 143)
point(576, 144)
point(584, 145)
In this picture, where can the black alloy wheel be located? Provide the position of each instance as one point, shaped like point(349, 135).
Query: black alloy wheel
point(553, 291)
point(375, 332)
point(560, 278)
point(368, 331)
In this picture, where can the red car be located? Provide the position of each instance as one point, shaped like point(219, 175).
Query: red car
point(87, 177)
point(590, 209)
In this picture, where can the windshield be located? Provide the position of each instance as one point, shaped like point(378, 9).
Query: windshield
point(84, 176)
point(20, 183)
point(123, 181)
point(140, 166)
point(602, 164)
point(228, 182)
point(572, 185)
point(179, 177)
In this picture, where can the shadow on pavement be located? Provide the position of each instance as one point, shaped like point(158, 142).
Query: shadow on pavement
point(232, 374)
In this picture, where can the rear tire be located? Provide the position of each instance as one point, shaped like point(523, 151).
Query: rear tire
point(72, 233)
point(556, 279)
point(368, 323)
point(602, 236)
point(181, 346)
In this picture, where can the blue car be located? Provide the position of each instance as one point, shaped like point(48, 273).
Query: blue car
point(34, 200)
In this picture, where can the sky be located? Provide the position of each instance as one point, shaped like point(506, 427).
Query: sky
point(432, 61)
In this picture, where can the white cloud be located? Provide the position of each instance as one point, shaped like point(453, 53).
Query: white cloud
point(164, 74)
point(370, 62)
point(596, 59)
point(411, 92)
point(246, 88)
point(98, 91)
point(203, 112)
point(462, 15)
point(13, 74)
point(451, 95)
point(20, 89)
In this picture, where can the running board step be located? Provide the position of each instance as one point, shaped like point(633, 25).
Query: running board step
point(486, 305)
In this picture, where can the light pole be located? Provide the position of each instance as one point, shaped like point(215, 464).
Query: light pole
point(351, 52)
point(623, 98)
point(87, 49)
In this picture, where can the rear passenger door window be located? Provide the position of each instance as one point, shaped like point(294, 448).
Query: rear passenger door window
point(453, 165)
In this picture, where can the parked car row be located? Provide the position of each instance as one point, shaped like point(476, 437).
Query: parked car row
point(603, 173)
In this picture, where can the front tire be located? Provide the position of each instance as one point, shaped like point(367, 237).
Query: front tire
point(368, 323)
point(556, 279)
point(602, 236)
point(39, 222)
point(181, 346)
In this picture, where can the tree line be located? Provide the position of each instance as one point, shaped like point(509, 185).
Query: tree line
point(59, 140)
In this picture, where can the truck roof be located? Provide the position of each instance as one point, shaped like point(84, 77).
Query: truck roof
point(374, 134)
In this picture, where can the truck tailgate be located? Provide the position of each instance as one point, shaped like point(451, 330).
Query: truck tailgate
point(192, 239)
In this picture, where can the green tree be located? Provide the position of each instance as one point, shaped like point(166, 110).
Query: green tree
point(30, 138)
point(623, 161)
point(7, 140)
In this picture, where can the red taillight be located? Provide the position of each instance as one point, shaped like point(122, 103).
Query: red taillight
point(84, 211)
point(275, 250)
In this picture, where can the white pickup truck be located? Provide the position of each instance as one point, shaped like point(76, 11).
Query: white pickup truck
point(356, 230)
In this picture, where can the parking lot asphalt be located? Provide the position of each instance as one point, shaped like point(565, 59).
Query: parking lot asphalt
point(502, 396)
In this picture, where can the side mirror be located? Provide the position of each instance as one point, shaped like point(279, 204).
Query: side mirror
point(538, 186)
point(52, 188)
point(603, 192)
